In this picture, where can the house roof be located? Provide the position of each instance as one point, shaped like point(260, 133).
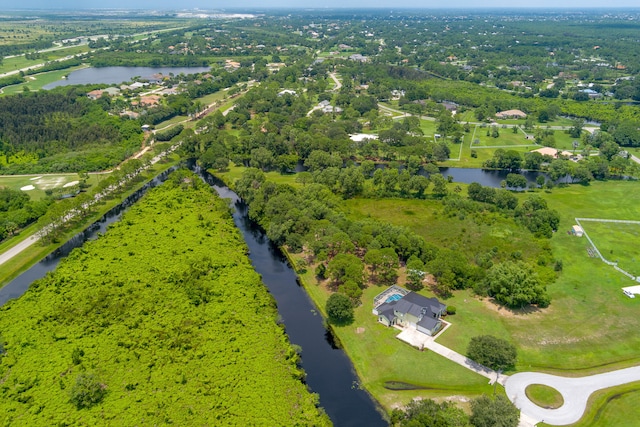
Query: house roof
point(428, 322)
point(549, 151)
point(511, 113)
point(432, 304)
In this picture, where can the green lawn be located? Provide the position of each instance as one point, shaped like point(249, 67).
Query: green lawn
point(506, 139)
point(618, 406)
point(545, 396)
point(484, 152)
point(20, 62)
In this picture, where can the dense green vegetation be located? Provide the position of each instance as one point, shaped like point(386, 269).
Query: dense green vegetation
point(137, 327)
point(485, 412)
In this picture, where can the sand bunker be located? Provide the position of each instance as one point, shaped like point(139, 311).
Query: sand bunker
point(71, 184)
point(33, 179)
point(28, 188)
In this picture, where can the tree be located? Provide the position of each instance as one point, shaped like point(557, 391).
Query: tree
point(346, 267)
point(439, 186)
point(576, 129)
point(261, 158)
point(339, 309)
point(415, 273)
point(494, 353)
point(441, 151)
point(494, 412)
point(87, 391)
point(515, 284)
point(515, 180)
point(429, 413)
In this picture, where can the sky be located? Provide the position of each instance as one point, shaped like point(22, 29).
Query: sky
point(261, 4)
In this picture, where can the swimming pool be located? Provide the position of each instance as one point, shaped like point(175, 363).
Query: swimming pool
point(394, 297)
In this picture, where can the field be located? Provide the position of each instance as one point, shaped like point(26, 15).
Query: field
point(148, 321)
point(506, 139)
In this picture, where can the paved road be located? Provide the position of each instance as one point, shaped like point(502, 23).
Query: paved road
point(575, 392)
point(11, 252)
point(338, 82)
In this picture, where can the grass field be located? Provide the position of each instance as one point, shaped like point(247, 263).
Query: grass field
point(590, 326)
point(20, 62)
point(616, 242)
point(506, 139)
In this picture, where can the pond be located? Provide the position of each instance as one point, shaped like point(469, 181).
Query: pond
point(116, 75)
point(485, 177)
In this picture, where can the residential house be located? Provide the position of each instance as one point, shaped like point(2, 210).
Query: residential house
point(94, 94)
point(358, 57)
point(511, 114)
point(411, 310)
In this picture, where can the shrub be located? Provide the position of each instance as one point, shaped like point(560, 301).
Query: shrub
point(87, 391)
point(558, 265)
point(451, 310)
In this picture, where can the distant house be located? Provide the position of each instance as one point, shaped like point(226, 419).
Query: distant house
point(287, 92)
point(358, 57)
point(95, 94)
point(511, 114)
point(400, 307)
point(553, 152)
point(591, 93)
point(331, 109)
point(150, 100)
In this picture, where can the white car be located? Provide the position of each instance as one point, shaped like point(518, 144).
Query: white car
point(629, 294)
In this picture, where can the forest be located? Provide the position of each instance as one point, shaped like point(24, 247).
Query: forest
point(149, 325)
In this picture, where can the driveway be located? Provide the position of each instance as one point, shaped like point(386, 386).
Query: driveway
point(575, 392)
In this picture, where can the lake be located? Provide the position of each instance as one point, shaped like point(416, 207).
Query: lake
point(115, 75)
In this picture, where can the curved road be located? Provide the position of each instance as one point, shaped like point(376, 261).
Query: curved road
point(575, 392)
